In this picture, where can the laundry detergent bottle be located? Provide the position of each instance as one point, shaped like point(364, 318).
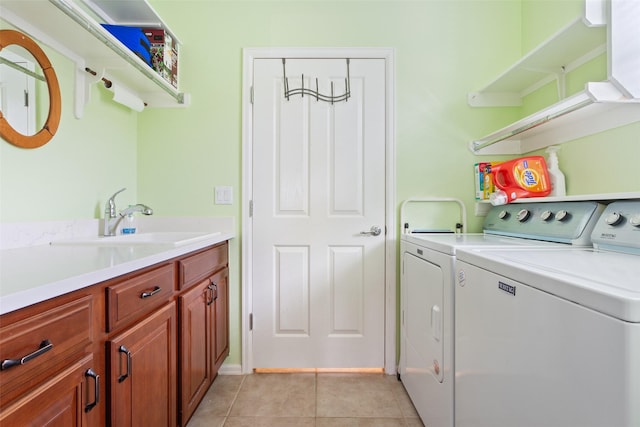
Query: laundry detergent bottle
point(520, 178)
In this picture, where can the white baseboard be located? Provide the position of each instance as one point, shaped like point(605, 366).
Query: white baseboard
point(226, 369)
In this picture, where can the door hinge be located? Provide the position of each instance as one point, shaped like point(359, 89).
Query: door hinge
point(26, 99)
point(251, 95)
point(250, 208)
point(251, 321)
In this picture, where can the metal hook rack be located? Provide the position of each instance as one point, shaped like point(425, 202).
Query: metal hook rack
point(316, 93)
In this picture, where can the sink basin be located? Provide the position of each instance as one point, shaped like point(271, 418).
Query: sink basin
point(170, 238)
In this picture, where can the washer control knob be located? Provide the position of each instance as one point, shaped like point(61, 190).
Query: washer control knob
point(614, 218)
point(546, 215)
point(503, 215)
point(562, 215)
point(523, 215)
point(635, 220)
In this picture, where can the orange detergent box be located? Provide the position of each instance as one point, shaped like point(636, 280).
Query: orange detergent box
point(484, 180)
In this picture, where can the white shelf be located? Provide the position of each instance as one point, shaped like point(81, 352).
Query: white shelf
point(599, 107)
point(564, 51)
point(68, 28)
point(603, 197)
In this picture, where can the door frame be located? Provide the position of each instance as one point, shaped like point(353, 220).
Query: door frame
point(251, 54)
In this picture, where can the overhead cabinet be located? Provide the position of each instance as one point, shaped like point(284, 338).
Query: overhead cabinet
point(74, 28)
point(607, 27)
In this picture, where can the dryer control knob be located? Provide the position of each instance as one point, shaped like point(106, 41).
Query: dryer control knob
point(635, 221)
point(562, 215)
point(503, 215)
point(523, 215)
point(614, 218)
point(546, 215)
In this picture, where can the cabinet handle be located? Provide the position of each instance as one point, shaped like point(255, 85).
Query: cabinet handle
point(10, 363)
point(124, 350)
point(155, 290)
point(211, 295)
point(215, 291)
point(96, 389)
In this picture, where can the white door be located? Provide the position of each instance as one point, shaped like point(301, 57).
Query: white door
point(318, 183)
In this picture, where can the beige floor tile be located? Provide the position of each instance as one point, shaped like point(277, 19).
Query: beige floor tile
point(349, 395)
point(269, 422)
point(276, 395)
point(360, 422)
point(414, 422)
point(202, 420)
point(221, 395)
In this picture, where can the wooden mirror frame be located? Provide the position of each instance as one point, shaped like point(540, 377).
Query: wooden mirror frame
point(44, 135)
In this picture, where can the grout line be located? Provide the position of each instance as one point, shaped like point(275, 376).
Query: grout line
point(235, 397)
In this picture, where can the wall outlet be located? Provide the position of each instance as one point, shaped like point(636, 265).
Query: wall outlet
point(224, 195)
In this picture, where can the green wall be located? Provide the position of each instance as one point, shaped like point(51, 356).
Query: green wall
point(171, 159)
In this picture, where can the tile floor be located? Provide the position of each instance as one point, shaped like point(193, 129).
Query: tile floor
point(306, 399)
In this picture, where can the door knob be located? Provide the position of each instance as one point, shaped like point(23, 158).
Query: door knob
point(374, 231)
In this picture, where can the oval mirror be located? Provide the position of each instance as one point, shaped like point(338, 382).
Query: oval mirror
point(16, 53)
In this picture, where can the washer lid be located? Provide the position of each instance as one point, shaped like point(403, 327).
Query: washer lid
point(449, 243)
point(604, 281)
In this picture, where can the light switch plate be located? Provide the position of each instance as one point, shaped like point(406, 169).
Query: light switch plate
point(224, 195)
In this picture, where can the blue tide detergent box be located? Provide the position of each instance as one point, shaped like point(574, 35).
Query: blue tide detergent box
point(133, 38)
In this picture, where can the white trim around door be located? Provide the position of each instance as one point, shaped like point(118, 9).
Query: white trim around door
point(249, 55)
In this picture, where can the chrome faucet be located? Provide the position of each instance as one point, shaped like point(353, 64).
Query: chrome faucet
point(111, 219)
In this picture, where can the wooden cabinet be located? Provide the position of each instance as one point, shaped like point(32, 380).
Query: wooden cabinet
point(130, 351)
point(142, 372)
point(204, 337)
point(195, 347)
point(49, 375)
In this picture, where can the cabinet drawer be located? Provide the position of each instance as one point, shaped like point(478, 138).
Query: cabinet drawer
point(33, 349)
point(138, 295)
point(202, 264)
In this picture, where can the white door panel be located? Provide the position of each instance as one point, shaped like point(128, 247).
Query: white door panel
point(318, 182)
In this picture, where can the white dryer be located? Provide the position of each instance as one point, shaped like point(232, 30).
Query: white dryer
point(551, 337)
point(428, 262)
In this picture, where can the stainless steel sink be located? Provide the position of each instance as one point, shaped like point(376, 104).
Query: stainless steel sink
point(167, 238)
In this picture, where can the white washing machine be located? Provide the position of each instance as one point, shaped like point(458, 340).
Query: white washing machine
point(428, 261)
point(551, 337)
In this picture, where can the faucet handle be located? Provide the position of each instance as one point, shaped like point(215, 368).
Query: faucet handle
point(110, 208)
point(116, 193)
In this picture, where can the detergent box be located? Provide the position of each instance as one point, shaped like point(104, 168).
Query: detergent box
point(484, 180)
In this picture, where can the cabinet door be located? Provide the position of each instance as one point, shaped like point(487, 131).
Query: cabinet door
point(196, 340)
point(221, 315)
point(66, 400)
point(142, 372)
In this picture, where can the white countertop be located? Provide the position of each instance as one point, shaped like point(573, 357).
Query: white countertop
point(32, 274)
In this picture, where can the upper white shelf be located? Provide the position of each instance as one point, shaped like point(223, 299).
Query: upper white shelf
point(564, 51)
point(69, 28)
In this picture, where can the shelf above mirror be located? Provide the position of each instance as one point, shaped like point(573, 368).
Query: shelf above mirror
point(69, 28)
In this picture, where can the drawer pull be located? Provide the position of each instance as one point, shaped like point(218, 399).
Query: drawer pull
point(9, 363)
point(96, 389)
point(210, 288)
point(215, 291)
point(124, 350)
point(150, 294)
